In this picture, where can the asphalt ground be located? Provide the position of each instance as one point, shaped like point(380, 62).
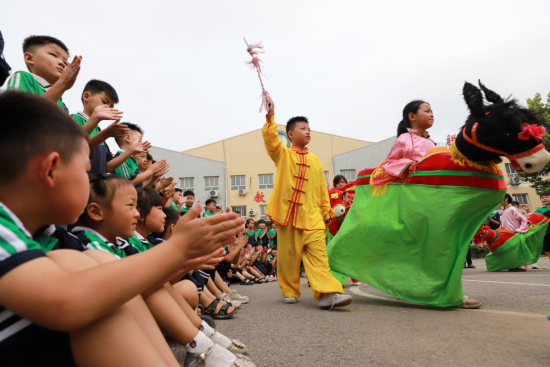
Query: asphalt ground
point(377, 329)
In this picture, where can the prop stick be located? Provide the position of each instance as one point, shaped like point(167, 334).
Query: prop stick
point(254, 49)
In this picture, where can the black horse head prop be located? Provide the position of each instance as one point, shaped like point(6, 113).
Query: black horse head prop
point(502, 128)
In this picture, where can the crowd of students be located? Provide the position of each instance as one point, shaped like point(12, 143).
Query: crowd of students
point(113, 255)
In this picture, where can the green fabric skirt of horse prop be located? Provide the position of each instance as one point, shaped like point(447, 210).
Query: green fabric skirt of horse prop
point(412, 241)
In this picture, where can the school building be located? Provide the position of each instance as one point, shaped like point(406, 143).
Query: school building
point(250, 173)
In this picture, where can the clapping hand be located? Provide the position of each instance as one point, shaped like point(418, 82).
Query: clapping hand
point(115, 129)
point(69, 74)
point(104, 112)
point(165, 182)
point(139, 146)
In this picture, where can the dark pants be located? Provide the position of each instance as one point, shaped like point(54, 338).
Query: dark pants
point(468, 257)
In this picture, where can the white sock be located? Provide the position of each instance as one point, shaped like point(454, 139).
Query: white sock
point(219, 338)
point(218, 357)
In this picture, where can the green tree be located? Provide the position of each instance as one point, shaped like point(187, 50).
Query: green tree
point(543, 112)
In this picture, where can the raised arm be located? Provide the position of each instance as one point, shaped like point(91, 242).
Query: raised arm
point(273, 143)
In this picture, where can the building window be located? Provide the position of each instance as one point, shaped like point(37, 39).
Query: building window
point(266, 181)
point(521, 199)
point(238, 183)
point(349, 174)
point(326, 177)
point(510, 171)
point(262, 212)
point(211, 183)
point(283, 137)
point(240, 209)
point(187, 184)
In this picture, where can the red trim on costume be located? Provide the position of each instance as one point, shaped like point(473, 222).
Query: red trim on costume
point(303, 178)
point(293, 202)
point(298, 190)
point(298, 150)
point(470, 181)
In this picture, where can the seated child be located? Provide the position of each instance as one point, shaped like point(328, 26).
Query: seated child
point(129, 169)
point(261, 233)
point(50, 74)
point(136, 214)
point(99, 99)
point(272, 233)
point(210, 208)
point(249, 232)
point(189, 200)
point(69, 307)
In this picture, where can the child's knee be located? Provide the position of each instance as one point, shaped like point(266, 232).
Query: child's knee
point(71, 261)
point(100, 256)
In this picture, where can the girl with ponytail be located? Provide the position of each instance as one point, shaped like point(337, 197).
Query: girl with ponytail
point(413, 142)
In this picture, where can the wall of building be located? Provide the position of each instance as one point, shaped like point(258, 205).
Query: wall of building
point(245, 155)
point(185, 165)
point(362, 158)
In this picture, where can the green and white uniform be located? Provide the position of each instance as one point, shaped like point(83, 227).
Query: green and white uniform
point(129, 169)
point(140, 244)
point(271, 232)
point(207, 214)
point(23, 81)
point(95, 241)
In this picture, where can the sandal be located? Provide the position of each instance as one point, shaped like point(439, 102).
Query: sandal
point(235, 347)
point(467, 305)
point(223, 297)
point(222, 313)
point(471, 266)
point(247, 282)
point(194, 360)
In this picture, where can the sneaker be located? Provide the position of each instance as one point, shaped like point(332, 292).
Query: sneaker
point(302, 275)
point(330, 300)
point(237, 297)
point(290, 300)
point(547, 267)
point(535, 266)
point(357, 283)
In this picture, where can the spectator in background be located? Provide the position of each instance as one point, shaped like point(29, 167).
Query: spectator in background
point(544, 209)
point(513, 220)
point(493, 220)
point(5, 69)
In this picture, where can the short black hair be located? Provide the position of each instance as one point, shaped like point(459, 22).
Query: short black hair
point(102, 191)
point(507, 196)
point(238, 212)
point(217, 207)
point(545, 193)
point(291, 124)
point(257, 243)
point(32, 41)
point(147, 199)
point(96, 86)
point(261, 221)
point(172, 217)
point(178, 189)
point(274, 248)
point(189, 192)
point(515, 203)
point(209, 201)
point(132, 127)
point(337, 179)
point(248, 220)
point(26, 117)
point(149, 157)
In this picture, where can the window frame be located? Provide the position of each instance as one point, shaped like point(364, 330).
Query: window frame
point(263, 216)
point(241, 185)
point(266, 186)
point(344, 172)
point(239, 209)
point(210, 187)
point(183, 187)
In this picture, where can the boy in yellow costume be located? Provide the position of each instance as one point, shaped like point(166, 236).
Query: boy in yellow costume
point(300, 207)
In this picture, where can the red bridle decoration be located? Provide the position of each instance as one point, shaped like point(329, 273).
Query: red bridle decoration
point(512, 157)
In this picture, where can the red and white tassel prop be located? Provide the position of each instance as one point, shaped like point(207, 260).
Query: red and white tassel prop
point(254, 49)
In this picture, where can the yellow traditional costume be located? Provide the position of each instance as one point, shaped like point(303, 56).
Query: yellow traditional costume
point(299, 205)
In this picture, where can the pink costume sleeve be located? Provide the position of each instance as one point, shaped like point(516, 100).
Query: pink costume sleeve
point(522, 221)
point(399, 158)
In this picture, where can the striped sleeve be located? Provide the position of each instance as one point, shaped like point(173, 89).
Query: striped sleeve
point(23, 82)
point(16, 247)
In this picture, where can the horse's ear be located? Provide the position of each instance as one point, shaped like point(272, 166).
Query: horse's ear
point(490, 95)
point(474, 99)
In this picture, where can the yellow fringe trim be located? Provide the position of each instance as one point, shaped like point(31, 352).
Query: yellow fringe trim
point(461, 160)
point(381, 189)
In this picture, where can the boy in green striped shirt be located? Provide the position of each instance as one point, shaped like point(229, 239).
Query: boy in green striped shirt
point(49, 72)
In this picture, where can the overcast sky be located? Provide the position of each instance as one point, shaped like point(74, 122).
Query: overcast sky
point(349, 66)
